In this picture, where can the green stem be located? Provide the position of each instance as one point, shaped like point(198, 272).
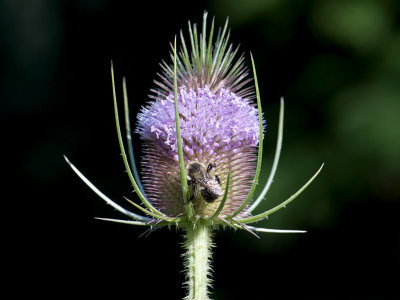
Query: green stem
point(198, 242)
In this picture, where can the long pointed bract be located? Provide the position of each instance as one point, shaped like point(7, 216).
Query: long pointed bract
point(124, 157)
point(275, 163)
point(184, 185)
point(104, 197)
point(154, 215)
point(129, 222)
point(260, 145)
point(258, 229)
point(283, 204)
point(129, 140)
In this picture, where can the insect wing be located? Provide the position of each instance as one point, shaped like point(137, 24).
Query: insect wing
point(211, 190)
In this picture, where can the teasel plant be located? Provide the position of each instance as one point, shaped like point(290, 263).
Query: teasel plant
point(202, 137)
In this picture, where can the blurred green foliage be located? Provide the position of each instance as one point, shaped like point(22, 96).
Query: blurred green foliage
point(341, 82)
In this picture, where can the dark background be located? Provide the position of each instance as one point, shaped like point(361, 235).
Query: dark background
point(337, 63)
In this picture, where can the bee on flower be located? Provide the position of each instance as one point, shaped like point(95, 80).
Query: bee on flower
point(202, 134)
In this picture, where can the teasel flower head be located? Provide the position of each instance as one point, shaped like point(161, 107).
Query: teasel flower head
point(219, 131)
point(202, 138)
point(202, 135)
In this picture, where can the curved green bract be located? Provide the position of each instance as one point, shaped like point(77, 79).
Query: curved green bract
point(129, 140)
point(124, 157)
point(269, 230)
point(126, 212)
point(168, 219)
point(275, 163)
point(260, 146)
point(283, 204)
point(184, 185)
point(129, 222)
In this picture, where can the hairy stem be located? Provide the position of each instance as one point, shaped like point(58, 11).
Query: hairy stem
point(198, 243)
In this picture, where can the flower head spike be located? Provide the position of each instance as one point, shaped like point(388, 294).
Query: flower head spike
point(219, 129)
point(202, 136)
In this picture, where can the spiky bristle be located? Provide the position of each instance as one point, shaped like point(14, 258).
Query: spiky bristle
point(208, 64)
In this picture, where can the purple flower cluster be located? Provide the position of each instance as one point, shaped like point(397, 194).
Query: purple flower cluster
point(210, 122)
point(219, 128)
